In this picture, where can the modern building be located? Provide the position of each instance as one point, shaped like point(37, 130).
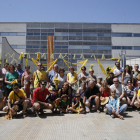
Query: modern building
point(73, 38)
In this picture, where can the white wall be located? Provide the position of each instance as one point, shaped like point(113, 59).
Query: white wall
point(12, 27)
point(125, 28)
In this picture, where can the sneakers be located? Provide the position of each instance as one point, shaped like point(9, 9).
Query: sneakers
point(87, 109)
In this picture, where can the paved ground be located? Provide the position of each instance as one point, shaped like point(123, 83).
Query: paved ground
point(92, 126)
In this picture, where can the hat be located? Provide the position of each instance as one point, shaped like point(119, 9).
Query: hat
point(1, 79)
point(64, 95)
point(77, 95)
point(99, 77)
point(104, 100)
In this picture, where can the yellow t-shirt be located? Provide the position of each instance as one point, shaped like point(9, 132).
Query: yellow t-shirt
point(138, 92)
point(41, 76)
point(72, 78)
point(14, 97)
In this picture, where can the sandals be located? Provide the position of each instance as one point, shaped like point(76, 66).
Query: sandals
point(120, 117)
point(113, 116)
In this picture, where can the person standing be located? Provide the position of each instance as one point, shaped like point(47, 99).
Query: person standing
point(118, 71)
point(39, 75)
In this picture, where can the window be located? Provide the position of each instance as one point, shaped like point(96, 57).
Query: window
point(104, 47)
point(36, 33)
point(28, 46)
point(127, 35)
point(116, 47)
point(100, 34)
point(72, 34)
point(35, 46)
point(50, 33)
point(4, 34)
point(57, 47)
point(14, 46)
point(136, 35)
point(127, 47)
point(64, 47)
point(107, 34)
point(20, 47)
point(78, 34)
point(137, 48)
point(29, 33)
point(21, 34)
point(44, 33)
point(13, 34)
point(93, 47)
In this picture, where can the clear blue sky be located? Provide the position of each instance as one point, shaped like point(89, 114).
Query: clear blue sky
point(102, 11)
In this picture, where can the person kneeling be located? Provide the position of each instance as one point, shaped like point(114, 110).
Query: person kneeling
point(77, 104)
point(17, 97)
point(64, 105)
point(39, 98)
point(113, 106)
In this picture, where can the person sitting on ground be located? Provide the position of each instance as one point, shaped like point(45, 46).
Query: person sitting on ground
point(91, 76)
point(130, 93)
point(61, 76)
point(110, 79)
point(104, 90)
point(2, 94)
point(137, 102)
point(118, 71)
point(82, 90)
point(17, 97)
point(39, 75)
point(99, 82)
point(72, 80)
point(113, 106)
point(91, 96)
point(64, 105)
point(126, 75)
point(53, 99)
point(77, 104)
point(83, 76)
point(39, 98)
point(65, 90)
point(119, 90)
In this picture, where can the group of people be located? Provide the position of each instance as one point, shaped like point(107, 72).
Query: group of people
point(74, 93)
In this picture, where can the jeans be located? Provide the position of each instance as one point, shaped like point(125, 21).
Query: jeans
point(121, 109)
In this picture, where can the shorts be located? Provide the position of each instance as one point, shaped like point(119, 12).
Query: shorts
point(92, 101)
point(41, 106)
point(7, 91)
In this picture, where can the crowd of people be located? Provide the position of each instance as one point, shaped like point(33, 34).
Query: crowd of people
point(82, 93)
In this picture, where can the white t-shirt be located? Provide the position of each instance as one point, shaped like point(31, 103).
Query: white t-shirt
point(61, 80)
point(119, 89)
point(116, 71)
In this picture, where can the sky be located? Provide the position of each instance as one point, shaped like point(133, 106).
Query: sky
point(95, 11)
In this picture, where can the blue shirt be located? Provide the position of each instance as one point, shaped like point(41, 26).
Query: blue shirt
point(115, 103)
point(51, 75)
point(20, 72)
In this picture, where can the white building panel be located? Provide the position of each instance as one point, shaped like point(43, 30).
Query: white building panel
point(125, 28)
point(125, 41)
point(12, 27)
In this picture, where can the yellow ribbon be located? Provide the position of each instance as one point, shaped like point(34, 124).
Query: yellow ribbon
point(21, 56)
point(15, 81)
point(8, 54)
point(102, 69)
point(38, 57)
point(51, 65)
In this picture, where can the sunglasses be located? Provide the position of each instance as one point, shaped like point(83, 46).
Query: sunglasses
point(129, 82)
point(39, 65)
point(15, 88)
point(115, 81)
point(44, 84)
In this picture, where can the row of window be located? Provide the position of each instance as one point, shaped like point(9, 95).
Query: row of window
point(12, 34)
point(79, 47)
point(88, 34)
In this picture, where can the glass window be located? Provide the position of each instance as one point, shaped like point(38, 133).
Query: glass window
point(100, 34)
point(136, 35)
point(93, 34)
point(4, 34)
point(57, 47)
point(50, 33)
point(29, 33)
point(79, 34)
point(64, 34)
point(118, 47)
point(127, 35)
point(113, 34)
point(86, 34)
point(93, 47)
point(28, 46)
point(72, 34)
point(36, 46)
point(136, 48)
point(129, 47)
point(36, 33)
point(118, 35)
point(13, 34)
point(21, 47)
point(107, 34)
point(113, 47)
point(65, 47)
point(58, 34)
point(14, 46)
point(20, 33)
point(104, 47)
point(44, 33)
point(43, 46)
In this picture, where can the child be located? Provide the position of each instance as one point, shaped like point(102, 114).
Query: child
point(113, 106)
point(64, 105)
point(53, 99)
point(77, 104)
